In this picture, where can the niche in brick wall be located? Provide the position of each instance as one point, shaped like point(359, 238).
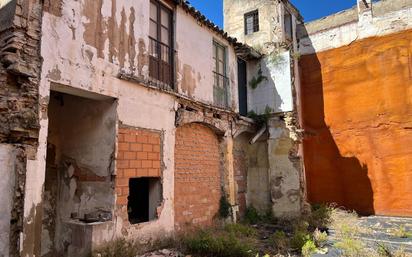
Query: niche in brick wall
point(138, 181)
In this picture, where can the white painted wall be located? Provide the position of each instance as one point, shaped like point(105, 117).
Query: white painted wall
point(345, 34)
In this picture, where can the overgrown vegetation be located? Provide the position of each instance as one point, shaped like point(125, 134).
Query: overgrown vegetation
point(401, 232)
point(218, 243)
point(260, 234)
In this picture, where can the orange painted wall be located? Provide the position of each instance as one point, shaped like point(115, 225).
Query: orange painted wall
point(357, 115)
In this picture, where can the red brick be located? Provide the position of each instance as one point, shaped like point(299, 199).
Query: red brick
point(122, 182)
point(135, 164)
point(156, 148)
point(142, 139)
point(153, 172)
point(122, 164)
point(154, 140)
point(147, 148)
point(147, 164)
point(142, 156)
point(129, 155)
point(130, 173)
point(119, 191)
point(142, 172)
point(123, 146)
point(125, 191)
point(153, 156)
point(120, 138)
point(156, 164)
point(129, 138)
point(136, 147)
point(121, 200)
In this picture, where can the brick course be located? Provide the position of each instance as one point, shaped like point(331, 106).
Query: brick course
point(138, 156)
point(197, 176)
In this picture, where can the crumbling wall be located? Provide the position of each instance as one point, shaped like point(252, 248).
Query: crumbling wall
point(357, 116)
point(7, 184)
point(20, 64)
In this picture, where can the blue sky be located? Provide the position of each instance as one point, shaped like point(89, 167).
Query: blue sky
point(310, 9)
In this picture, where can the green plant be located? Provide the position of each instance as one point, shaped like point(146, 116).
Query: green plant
point(206, 243)
point(320, 238)
point(117, 248)
point(256, 80)
point(280, 241)
point(320, 216)
point(351, 247)
point(252, 215)
point(384, 251)
point(299, 239)
point(309, 248)
point(224, 207)
point(401, 232)
point(261, 119)
point(240, 230)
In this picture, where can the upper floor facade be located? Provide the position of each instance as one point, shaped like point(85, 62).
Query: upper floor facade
point(161, 44)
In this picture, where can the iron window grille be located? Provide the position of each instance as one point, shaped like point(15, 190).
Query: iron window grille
point(251, 22)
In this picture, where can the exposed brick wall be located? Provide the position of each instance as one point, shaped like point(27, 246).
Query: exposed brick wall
point(139, 155)
point(197, 176)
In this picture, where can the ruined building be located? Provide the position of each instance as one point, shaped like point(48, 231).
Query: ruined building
point(136, 119)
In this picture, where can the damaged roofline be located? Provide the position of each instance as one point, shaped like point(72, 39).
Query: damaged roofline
point(250, 52)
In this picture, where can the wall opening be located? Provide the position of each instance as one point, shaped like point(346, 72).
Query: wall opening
point(78, 190)
point(144, 198)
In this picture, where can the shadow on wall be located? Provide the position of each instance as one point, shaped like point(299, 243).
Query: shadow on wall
point(331, 177)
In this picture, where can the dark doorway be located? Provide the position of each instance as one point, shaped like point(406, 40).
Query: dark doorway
point(144, 198)
point(242, 87)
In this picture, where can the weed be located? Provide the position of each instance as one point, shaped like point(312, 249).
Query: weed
point(320, 216)
point(120, 247)
point(256, 80)
point(299, 239)
point(309, 248)
point(280, 241)
point(240, 230)
point(401, 232)
point(351, 247)
point(320, 238)
point(252, 215)
point(206, 243)
point(384, 251)
point(224, 207)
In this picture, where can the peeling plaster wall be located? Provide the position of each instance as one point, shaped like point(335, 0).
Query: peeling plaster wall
point(195, 61)
point(285, 170)
point(7, 182)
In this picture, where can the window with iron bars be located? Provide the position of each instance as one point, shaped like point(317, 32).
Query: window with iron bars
point(160, 45)
point(251, 22)
point(221, 82)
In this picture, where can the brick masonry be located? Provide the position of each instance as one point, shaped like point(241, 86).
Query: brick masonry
point(197, 176)
point(139, 155)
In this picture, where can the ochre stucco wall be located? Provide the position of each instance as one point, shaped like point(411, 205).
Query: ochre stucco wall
point(357, 116)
